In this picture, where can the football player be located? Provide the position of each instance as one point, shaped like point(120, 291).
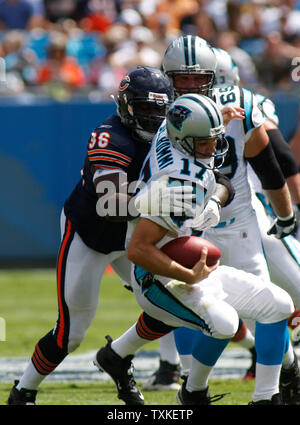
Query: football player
point(283, 255)
point(93, 232)
point(205, 299)
point(237, 235)
point(191, 65)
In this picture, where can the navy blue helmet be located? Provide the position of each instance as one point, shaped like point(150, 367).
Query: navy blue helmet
point(143, 97)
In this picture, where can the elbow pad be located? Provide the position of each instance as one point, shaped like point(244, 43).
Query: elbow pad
point(283, 153)
point(267, 169)
point(225, 181)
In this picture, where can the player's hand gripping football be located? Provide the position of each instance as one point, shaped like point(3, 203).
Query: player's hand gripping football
point(283, 226)
point(160, 199)
point(201, 270)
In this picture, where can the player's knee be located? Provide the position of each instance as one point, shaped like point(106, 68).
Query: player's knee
point(284, 304)
point(224, 320)
point(281, 304)
point(74, 343)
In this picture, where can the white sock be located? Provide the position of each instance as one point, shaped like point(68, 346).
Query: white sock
point(289, 357)
point(128, 343)
point(266, 381)
point(186, 362)
point(198, 377)
point(31, 379)
point(167, 349)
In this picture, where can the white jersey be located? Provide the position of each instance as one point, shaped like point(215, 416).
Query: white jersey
point(237, 133)
point(164, 160)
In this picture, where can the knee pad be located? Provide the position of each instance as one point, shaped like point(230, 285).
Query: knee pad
point(282, 306)
point(222, 319)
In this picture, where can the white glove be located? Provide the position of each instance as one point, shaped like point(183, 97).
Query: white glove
point(210, 216)
point(159, 199)
point(283, 226)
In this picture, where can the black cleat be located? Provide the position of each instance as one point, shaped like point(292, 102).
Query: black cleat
point(196, 398)
point(276, 399)
point(289, 384)
point(22, 396)
point(250, 373)
point(166, 377)
point(121, 371)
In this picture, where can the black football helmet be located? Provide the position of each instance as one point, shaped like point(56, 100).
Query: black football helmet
point(143, 96)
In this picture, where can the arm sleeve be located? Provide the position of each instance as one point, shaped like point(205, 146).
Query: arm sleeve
point(283, 153)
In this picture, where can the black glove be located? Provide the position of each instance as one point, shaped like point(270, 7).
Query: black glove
point(283, 226)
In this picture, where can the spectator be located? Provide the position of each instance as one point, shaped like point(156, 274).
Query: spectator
point(104, 74)
point(20, 63)
point(228, 41)
point(60, 72)
point(176, 9)
point(16, 14)
point(60, 9)
point(274, 64)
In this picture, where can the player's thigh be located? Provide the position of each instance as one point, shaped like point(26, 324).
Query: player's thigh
point(83, 272)
point(282, 260)
point(254, 298)
point(190, 308)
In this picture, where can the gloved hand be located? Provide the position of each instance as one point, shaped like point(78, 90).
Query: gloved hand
point(160, 199)
point(210, 216)
point(283, 226)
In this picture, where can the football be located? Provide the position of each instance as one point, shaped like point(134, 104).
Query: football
point(187, 251)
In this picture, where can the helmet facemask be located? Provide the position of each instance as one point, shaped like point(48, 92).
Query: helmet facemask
point(145, 116)
point(210, 161)
point(204, 88)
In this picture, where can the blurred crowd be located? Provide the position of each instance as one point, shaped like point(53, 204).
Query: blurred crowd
point(66, 48)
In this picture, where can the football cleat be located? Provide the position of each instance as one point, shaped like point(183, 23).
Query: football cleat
point(250, 373)
point(276, 399)
point(289, 384)
point(121, 371)
point(196, 398)
point(166, 377)
point(22, 396)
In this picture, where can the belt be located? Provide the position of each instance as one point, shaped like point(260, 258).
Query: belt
point(224, 223)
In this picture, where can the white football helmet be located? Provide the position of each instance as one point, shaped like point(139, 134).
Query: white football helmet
point(196, 116)
point(190, 55)
point(227, 72)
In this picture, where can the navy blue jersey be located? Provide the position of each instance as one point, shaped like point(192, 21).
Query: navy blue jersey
point(110, 147)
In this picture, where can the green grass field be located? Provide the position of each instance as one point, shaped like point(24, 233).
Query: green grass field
point(28, 305)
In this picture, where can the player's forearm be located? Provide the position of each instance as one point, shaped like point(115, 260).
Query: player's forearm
point(152, 259)
point(281, 201)
point(293, 183)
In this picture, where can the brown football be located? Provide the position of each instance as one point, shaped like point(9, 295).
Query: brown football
point(187, 251)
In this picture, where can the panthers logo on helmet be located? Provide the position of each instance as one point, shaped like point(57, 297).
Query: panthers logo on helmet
point(177, 115)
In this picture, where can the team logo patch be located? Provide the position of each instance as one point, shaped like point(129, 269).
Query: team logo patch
point(124, 83)
point(177, 115)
